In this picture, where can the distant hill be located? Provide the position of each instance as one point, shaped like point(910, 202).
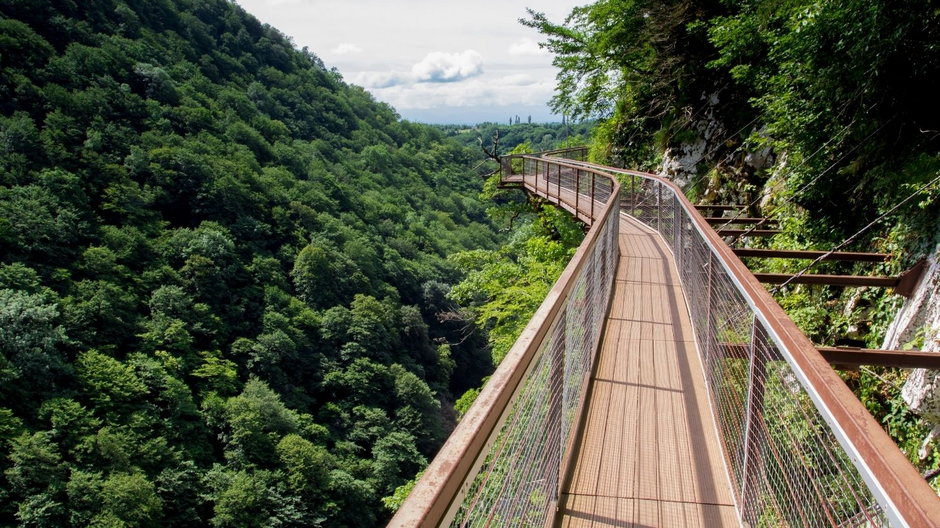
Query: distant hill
point(220, 269)
point(540, 136)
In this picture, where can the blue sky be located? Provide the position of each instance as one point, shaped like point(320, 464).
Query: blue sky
point(435, 61)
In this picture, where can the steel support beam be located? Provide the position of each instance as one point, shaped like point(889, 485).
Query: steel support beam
point(831, 280)
point(853, 357)
point(809, 254)
point(718, 207)
point(720, 220)
point(747, 232)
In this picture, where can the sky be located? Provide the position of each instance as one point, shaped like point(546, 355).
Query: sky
point(434, 61)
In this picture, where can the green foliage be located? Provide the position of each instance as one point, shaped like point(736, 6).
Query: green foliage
point(837, 96)
point(396, 499)
point(504, 288)
point(880, 391)
point(539, 136)
point(637, 65)
point(463, 404)
point(841, 86)
point(221, 274)
point(30, 335)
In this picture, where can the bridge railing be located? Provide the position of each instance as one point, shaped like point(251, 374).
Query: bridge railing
point(503, 463)
point(801, 449)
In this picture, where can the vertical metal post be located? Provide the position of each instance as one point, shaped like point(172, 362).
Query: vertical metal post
point(710, 338)
point(558, 190)
point(679, 227)
point(548, 186)
point(556, 397)
point(632, 195)
point(751, 465)
point(659, 207)
point(537, 175)
point(592, 197)
point(577, 192)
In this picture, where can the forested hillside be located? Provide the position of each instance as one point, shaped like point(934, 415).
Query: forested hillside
point(821, 114)
point(539, 136)
point(220, 274)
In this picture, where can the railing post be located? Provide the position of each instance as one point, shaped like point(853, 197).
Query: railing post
point(710, 338)
point(659, 207)
point(752, 465)
point(548, 183)
point(577, 192)
point(678, 227)
point(592, 197)
point(558, 191)
point(632, 195)
point(556, 438)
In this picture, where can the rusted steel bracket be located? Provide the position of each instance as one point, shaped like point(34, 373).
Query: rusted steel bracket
point(747, 232)
point(831, 280)
point(850, 358)
point(908, 280)
point(718, 207)
point(841, 357)
point(810, 254)
point(904, 284)
point(721, 220)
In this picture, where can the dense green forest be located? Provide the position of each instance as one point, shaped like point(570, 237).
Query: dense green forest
point(236, 291)
point(539, 136)
point(221, 274)
point(821, 114)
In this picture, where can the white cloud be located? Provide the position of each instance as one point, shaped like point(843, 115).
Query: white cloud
point(519, 79)
point(473, 92)
point(440, 67)
point(347, 48)
point(526, 47)
point(372, 79)
point(394, 36)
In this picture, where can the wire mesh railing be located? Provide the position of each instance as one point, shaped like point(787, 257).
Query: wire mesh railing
point(518, 482)
point(503, 463)
point(801, 450)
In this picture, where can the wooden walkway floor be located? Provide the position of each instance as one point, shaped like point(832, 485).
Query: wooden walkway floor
point(649, 454)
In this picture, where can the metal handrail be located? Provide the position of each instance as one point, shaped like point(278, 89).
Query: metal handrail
point(730, 310)
point(435, 498)
point(903, 495)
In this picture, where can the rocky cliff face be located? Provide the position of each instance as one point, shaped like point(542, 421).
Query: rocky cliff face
point(735, 170)
point(917, 321)
point(681, 161)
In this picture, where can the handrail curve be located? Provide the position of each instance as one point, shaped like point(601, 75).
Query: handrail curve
point(800, 448)
point(904, 495)
point(432, 501)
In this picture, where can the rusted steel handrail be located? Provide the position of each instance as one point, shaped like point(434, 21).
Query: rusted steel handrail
point(801, 449)
point(434, 499)
point(904, 497)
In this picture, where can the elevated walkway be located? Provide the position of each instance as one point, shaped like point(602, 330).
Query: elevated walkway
point(659, 384)
point(649, 454)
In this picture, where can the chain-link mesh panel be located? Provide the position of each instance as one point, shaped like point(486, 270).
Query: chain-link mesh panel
point(786, 465)
point(518, 480)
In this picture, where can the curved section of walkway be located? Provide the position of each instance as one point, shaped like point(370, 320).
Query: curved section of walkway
point(649, 452)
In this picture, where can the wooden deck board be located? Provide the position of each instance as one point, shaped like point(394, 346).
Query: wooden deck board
point(649, 453)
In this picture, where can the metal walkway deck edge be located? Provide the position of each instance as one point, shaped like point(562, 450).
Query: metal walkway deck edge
point(641, 416)
point(649, 454)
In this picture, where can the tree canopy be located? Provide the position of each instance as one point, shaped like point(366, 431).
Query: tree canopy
point(220, 273)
